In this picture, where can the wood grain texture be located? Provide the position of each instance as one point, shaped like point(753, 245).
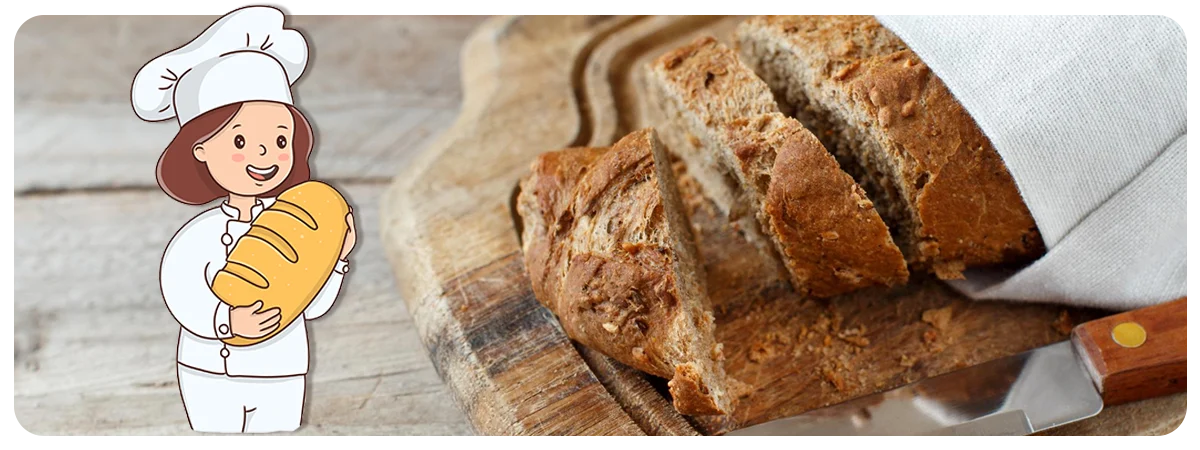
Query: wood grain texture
point(377, 89)
point(801, 354)
point(1156, 367)
point(644, 402)
point(449, 228)
point(95, 346)
point(611, 81)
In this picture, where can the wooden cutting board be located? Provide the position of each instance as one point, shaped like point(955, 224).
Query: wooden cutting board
point(533, 84)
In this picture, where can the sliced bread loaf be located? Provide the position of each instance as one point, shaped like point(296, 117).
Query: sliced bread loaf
point(609, 249)
point(739, 96)
point(821, 224)
point(896, 127)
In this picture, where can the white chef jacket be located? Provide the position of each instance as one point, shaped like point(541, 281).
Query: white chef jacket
point(194, 256)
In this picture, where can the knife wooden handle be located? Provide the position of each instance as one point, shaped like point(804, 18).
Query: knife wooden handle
point(1138, 354)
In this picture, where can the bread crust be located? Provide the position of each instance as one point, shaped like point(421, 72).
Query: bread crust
point(825, 225)
point(607, 253)
point(683, 130)
point(711, 79)
point(824, 229)
point(287, 256)
point(957, 205)
point(969, 207)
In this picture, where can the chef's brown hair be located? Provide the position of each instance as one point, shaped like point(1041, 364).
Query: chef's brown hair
point(188, 181)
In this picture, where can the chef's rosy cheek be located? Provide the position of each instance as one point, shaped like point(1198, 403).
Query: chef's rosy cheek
point(238, 157)
point(284, 157)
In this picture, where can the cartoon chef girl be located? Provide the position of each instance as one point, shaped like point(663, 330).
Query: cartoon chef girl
point(241, 140)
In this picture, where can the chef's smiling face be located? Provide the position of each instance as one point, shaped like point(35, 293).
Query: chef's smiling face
point(253, 153)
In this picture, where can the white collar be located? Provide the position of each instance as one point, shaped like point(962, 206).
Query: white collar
point(259, 204)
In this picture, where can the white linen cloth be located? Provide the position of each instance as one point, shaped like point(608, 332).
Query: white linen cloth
point(1089, 114)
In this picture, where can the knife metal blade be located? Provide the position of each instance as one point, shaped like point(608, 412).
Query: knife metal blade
point(1017, 395)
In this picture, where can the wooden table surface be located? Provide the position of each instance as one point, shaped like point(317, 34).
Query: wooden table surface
point(95, 346)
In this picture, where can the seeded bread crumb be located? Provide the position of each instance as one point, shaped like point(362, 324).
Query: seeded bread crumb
point(822, 227)
point(893, 124)
point(609, 250)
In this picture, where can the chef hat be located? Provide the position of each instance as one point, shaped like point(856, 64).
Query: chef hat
point(246, 55)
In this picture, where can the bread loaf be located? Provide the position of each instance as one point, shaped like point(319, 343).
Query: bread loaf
point(827, 233)
point(287, 256)
point(608, 247)
point(895, 126)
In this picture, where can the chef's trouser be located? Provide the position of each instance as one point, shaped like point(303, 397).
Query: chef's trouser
point(224, 404)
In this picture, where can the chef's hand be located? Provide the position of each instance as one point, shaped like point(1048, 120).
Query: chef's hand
point(351, 235)
point(250, 323)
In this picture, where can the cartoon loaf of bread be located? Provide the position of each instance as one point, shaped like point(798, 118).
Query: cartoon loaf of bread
point(287, 256)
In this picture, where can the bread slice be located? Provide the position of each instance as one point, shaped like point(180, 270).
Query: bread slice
point(821, 224)
point(685, 140)
point(896, 127)
point(610, 251)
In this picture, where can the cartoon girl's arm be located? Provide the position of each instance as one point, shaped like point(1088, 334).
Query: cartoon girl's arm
point(185, 288)
point(324, 300)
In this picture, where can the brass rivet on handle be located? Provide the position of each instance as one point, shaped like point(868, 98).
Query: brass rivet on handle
point(1129, 335)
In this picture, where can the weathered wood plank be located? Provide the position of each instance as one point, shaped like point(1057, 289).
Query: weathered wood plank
point(449, 232)
point(614, 77)
point(95, 346)
point(378, 89)
point(450, 213)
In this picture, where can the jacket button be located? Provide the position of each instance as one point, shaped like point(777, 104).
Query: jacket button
point(224, 353)
point(224, 329)
point(226, 239)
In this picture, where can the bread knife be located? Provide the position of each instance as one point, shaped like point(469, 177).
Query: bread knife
point(1130, 356)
